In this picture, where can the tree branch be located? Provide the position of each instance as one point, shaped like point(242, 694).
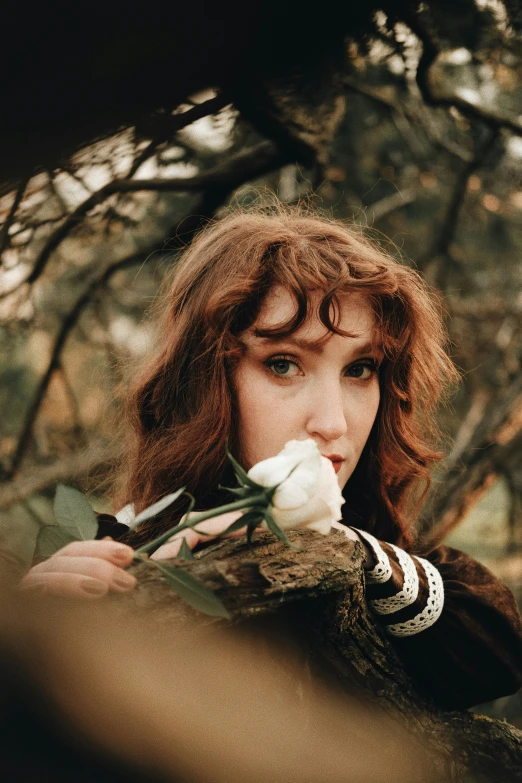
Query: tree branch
point(323, 576)
point(388, 204)
point(247, 164)
point(64, 332)
point(414, 118)
point(430, 50)
point(64, 469)
point(220, 181)
point(492, 120)
point(449, 224)
point(4, 231)
point(446, 234)
point(497, 438)
point(162, 127)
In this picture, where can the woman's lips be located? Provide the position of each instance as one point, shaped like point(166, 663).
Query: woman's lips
point(336, 461)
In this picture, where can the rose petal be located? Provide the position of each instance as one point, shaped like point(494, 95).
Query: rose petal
point(309, 493)
point(270, 472)
point(290, 495)
point(323, 526)
point(313, 511)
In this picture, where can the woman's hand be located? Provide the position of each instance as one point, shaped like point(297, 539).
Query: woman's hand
point(83, 569)
point(213, 527)
point(90, 569)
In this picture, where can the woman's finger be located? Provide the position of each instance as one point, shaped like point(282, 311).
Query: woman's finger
point(204, 531)
point(119, 554)
point(91, 567)
point(65, 585)
point(173, 545)
point(216, 526)
point(168, 551)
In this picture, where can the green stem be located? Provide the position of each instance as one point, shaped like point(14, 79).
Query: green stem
point(254, 500)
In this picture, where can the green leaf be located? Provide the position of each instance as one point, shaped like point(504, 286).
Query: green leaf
point(74, 514)
point(253, 517)
point(239, 492)
point(185, 552)
point(50, 539)
point(241, 474)
point(252, 520)
point(193, 592)
point(191, 504)
point(156, 508)
point(250, 532)
point(18, 534)
point(275, 529)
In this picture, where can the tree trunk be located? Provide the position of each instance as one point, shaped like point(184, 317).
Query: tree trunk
point(326, 576)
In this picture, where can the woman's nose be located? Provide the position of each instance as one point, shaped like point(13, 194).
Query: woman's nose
point(326, 414)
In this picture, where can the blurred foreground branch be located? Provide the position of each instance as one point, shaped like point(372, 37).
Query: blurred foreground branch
point(89, 696)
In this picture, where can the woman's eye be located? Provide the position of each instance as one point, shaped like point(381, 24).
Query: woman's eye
point(363, 371)
point(282, 367)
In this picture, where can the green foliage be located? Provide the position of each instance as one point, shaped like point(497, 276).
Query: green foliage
point(17, 543)
point(74, 514)
point(76, 521)
point(185, 552)
point(274, 527)
point(192, 591)
point(241, 474)
point(50, 539)
point(238, 492)
point(250, 520)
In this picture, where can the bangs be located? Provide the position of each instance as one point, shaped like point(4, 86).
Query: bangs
point(337, 270)
point(329, 311)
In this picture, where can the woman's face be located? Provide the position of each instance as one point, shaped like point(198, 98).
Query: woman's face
point(311, 384)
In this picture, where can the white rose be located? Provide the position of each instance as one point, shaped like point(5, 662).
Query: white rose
point(309, 494)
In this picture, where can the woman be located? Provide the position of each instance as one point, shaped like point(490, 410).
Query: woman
point(280, 326)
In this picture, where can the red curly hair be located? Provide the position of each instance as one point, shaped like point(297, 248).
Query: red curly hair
point(182, 407)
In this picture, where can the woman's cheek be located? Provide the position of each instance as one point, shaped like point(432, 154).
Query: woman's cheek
point(267, 423)
point(254, 403)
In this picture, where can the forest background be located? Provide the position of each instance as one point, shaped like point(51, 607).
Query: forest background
point(127, 134)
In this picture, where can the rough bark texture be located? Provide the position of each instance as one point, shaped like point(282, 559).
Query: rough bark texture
point(324, 581)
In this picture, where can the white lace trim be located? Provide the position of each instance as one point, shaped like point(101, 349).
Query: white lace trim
point(382, 571)
point(410, 588)
point(433, 609)
point(126, 514)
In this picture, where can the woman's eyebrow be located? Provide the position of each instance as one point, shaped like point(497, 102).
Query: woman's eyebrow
point(315, 346)
point(369, 347)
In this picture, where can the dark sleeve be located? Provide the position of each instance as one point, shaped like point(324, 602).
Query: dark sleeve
point(109, 526)
point(454, 624)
